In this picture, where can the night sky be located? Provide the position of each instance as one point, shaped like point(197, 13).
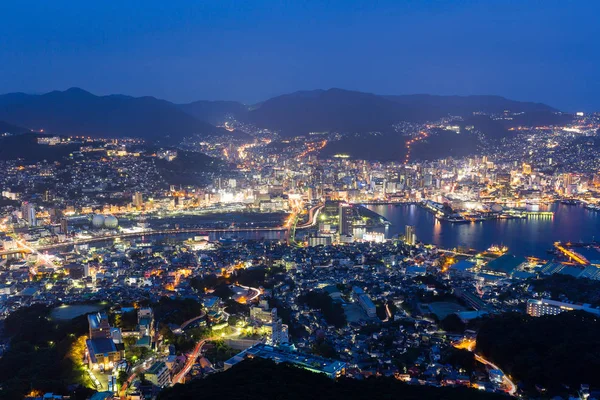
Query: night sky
point(547, 50)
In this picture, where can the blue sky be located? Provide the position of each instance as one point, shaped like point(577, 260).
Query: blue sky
point(547, 51)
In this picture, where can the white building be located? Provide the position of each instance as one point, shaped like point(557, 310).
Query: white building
point(538, 308)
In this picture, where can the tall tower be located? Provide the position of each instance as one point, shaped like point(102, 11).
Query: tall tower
point(64, 226)
point(138, 200)
point(410, 237)
point(28, 212)
point(345, 219)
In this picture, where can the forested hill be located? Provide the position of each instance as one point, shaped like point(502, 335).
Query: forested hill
point(261, 379)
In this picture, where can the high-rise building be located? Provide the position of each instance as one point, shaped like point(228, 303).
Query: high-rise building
point(345, 219)
point(158, 374)
point(64, 226)
point(526, 169)
point(279, 332)
point(99, 325)
point(568, 179)
point(410, 237)
point(28, 211)
point(138, 200)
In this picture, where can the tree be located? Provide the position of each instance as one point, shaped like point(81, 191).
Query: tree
point(129, 341)
point(233, 320)
point(550, 351)
point(122, 378)
point(332, 311)
point(453, 323)
point(462, 359)
point(223, 291)
point(263, 379)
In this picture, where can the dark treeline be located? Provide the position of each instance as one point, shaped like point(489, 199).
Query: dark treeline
point(554, 352)
point(262, 379)
point(332, 311)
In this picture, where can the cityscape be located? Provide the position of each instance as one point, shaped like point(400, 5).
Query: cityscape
point(334, 242)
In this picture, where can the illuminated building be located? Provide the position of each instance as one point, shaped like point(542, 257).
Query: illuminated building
point(98, 326)
point(410, 237)
point(28, 211)
point(538, 308)
point(345, 219)
point(102, 350)
point(158, 374)
point(272, 324)
point(138, 200)
point(319, 241)
point(64, 226)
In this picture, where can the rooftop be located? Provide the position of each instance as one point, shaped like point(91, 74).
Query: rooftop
point(504, 264)
point(302, 360)
point(156, 368)
point(100, 346)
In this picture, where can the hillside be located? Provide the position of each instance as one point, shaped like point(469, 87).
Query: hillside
point(215, 112)
point(26, 147)
point(260, 379)
point(357, 112)
point(326, 110)
point(5, 127)
point(77, 112)
point(189, 168)
point(551, 351)
point(466, 105)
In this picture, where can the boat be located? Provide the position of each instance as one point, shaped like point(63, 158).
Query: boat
point(457, 220)
point(570, 202)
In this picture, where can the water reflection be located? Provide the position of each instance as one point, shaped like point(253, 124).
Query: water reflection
point(532, 236)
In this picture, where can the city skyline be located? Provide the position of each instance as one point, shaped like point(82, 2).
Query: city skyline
point(399, 199)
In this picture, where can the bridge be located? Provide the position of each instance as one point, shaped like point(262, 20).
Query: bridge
point(578, 258)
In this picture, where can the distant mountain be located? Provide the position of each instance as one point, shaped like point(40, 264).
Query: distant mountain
point(326, 110)
point(215, 112)
point(77, 112)
point(5, 127)
point(80, 113)
point(349, 111)
point(466, 105)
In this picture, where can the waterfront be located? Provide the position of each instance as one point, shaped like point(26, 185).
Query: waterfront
point(533, 236)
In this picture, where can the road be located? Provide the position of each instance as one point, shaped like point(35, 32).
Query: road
point(313, 214)
point(254, 296)
point(189, 363)
point(512, 388)
point(192, 320)
point(123, 390)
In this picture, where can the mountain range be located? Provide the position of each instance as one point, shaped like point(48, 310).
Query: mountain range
point(357, 112)
point(78, 112)
point(5, 127)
